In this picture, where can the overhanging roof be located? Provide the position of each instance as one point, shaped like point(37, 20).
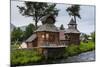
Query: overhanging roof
point(72, 30)
point(31, 38)
point(47, 27)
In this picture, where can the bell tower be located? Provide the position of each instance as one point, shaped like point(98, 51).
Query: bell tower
point(72, 34)
point(72, 24)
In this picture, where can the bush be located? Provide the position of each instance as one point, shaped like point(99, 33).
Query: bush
point(72, 50)
point(14, 46)
point(87, 46)
point(22, 57)
point(76, 49)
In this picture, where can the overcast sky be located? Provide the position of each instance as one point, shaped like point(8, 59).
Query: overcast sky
point(85, 25)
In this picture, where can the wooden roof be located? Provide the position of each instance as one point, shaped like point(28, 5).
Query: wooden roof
point(31, 38)
point(47, 27)
point(72, 21)
point(72, 30)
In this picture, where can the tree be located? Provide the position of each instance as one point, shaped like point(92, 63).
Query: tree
point(62, 27)
point(74, 11)
point(37, 10)
point(16, 35)
point(29, 31)
point(93, 36)
point(84, 37)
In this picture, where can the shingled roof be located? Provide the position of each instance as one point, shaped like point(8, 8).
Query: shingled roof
point(72, 30)
point(31, 38)
point(48, 27)
point(72, 22)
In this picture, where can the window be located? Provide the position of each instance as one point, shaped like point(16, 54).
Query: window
point(47, 36)
point(43, 36)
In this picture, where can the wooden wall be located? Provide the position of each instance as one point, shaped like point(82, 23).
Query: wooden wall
point(52, 39)
point(74, 38)
point(32, 44)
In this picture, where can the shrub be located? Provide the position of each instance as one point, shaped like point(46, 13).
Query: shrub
point(87, 46)
point(72, 50)
point(76, 49)
point(22, 57)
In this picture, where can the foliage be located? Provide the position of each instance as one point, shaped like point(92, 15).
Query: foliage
point(24, 56)
point(74, 11)
point(76, 49)
point(84, 37)
point(93, 36)
point(31, 56)
point(62, 27)
point(16, 35)
point(87, 46)
point(14, 46)
point(29, 31)
point(72, 50)
point(37, 10)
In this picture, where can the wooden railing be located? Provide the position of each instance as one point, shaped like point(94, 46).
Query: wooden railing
point(50, 44)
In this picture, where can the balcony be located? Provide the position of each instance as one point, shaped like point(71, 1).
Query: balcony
point(52, 45)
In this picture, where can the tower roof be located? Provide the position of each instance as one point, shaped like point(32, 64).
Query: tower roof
point(72, 21)
point(72, 30)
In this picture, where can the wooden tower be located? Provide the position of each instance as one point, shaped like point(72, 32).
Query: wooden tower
point(72, 34)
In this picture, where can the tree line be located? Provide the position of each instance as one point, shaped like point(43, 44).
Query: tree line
point(37, 10)
point(18, 35)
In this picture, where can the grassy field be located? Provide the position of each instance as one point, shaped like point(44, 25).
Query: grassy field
point(24, 57)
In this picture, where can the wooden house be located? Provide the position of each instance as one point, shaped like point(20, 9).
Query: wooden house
point(50, 40)
point(46, 35)
point(46, 38)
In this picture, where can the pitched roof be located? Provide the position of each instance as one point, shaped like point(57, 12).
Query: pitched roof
point(72, 30)
point(47, 27)
point(72, 21)
point(31, 38)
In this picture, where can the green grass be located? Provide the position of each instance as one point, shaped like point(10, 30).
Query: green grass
point(14, 46)
point(87, 46)
point(22, 57)
point(27, 56)
point(77, 49)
